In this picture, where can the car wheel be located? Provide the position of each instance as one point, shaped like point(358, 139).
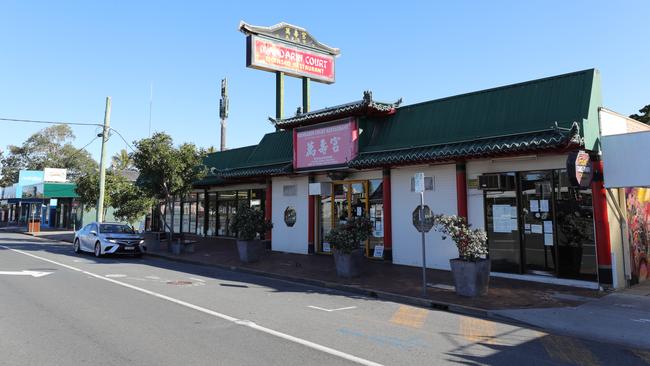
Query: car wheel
point(75, 246)
point(98, 250)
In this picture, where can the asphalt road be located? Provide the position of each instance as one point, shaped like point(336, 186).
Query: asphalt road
point(77, 310)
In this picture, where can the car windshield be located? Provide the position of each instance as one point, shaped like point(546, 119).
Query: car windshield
point(115, 229)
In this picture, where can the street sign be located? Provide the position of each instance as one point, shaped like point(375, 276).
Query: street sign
point(419, 182)
point(426, 224)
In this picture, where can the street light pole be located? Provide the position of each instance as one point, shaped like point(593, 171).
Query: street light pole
point(102, 161)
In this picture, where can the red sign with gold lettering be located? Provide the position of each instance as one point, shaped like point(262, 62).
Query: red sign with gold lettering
point(327, 145)
point(273, 55)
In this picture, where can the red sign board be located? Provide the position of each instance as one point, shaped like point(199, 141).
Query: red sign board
point(579, 169)
point(326, 145)
point(274, 55)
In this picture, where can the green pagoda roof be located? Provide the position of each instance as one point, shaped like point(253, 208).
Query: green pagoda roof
point(364, 107)
point(553, 139)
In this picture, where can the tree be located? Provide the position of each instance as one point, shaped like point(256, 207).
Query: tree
point(130, 203)
point(50, 147)
point(87, 187)
point(167, 171)
point(122, 161)
point(644, 116)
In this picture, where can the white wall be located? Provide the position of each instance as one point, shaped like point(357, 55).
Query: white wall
point(234, 187)
point(612, 123)
point(475, 210)
point(284, 238)
point(407, 247)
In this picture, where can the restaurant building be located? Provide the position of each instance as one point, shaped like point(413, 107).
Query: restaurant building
point(521, 161)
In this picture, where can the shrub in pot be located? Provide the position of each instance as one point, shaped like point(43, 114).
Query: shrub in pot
point(250, 225)
point(471, 270)
point(345, 242)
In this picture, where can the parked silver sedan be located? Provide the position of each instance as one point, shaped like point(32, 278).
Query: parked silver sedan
point(108, 238)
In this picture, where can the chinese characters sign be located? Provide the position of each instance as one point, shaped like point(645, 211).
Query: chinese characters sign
point(333, 144)
point(273, 55)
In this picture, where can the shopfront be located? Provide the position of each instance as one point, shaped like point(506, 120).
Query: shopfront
point(537, 223)
point(497, 157)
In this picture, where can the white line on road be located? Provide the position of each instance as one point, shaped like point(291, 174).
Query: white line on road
point(330, 310)
point(25, 273)
point(242, 322)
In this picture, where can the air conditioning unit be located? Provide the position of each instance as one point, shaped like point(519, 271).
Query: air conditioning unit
point(496, 182)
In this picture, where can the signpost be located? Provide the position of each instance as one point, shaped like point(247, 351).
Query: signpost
point(286, 49)
point(419, 188)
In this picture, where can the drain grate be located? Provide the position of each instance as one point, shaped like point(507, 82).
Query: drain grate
point(179, 283)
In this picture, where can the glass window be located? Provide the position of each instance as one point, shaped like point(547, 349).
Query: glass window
point(115, 229)
point(212, 214)
point(177, 215)
point(575, 230)
point(376, 215)
point(200, 214)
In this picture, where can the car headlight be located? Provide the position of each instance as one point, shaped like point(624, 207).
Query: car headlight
point(112, 241)
point(142, 241)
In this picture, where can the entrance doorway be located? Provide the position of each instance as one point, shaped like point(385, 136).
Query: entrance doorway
point(541, 226)
point(348, 199)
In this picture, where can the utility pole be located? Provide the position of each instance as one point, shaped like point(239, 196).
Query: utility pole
point(223, 111)
point(102, 161)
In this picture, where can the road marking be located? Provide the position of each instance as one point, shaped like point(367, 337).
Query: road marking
point(409, 316)
point(116, 275)
point(568, 350)
point(25, 273)
point(196, 279)
point(641, 320)
point(152, 277)
point(330, 310)
point(477, 330)
point(242, 322)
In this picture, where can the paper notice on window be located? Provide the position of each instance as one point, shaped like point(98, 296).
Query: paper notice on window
point(326, 247)
point(536, 229)
point(527, 227)
point(534, 206)
point(513, 211)
point(501, 219)
point(548, 227)
point(543, 205)
point(548, 239)
point(514, 225)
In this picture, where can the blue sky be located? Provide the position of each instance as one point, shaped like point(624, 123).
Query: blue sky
point(59, 60)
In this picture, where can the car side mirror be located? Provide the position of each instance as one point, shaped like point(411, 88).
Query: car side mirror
point(93, 232)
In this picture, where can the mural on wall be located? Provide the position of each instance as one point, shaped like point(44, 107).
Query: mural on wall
point(638, 215)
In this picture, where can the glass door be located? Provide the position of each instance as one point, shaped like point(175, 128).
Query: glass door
point(348, 199)
point(504, 241)
point(538, 217)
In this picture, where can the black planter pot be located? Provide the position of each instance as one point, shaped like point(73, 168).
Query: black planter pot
point(348, 265)
point(250, 250)
point(470, 278)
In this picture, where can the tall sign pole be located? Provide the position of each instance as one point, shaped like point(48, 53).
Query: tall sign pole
point(286, 49)
point(102, 161)
point(223, 111)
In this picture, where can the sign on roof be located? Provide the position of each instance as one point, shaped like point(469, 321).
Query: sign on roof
point(328, 145)
point(289, 49)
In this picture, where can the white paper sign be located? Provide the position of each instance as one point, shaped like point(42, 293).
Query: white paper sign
point(419, 182)
point(326, 247)
point(379, 251)
point(514, 225)
point(536, 229)
point(548, 227)
point(501, 219)
point(543, 205)
point(548, 239)
point(513, 211)
point(534, 206)
point(358, 211)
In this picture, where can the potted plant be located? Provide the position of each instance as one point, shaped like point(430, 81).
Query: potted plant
point(345, 243)
point(574, 230)
point(471, 270)
point(249, 224)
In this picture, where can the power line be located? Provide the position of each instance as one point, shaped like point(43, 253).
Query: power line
point(123, 139)
point(50, 122)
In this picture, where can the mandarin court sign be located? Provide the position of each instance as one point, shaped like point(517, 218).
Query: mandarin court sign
point(289, 49)
point(327, 145)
